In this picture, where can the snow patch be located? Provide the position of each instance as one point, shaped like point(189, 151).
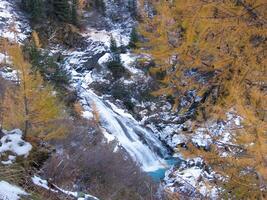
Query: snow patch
point(10, 192)
point(105, 59)
point(104, 36)
point(12, 142)
point(128, 60)
point(9, 74)
point(44, 184)
point(40, 182)
point(201, 139)
point(107, 135)
point(87, 114)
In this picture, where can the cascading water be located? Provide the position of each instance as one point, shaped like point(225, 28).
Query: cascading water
point(139, 142)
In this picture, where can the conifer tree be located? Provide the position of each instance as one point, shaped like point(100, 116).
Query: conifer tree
point(115, 64)
point(133, 39)
point(74, 14)
point(132, 6)
point(34, 7)
point(113, 45)
point(62, 10)
point(47, 65)
point(32, 106)
point(100, 5)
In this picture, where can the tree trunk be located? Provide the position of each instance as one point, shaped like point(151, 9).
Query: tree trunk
point(26, 106)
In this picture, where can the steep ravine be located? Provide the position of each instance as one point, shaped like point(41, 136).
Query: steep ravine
point(149, 140)
point(139, 142)
point(87, 66)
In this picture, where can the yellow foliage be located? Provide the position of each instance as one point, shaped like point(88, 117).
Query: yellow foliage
point(32, 106)
point(36, 40)
point(228, 39)
point(82, 4)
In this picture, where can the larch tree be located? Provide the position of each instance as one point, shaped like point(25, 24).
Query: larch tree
point(3, 49)
point(226, 40)
point(32, 105)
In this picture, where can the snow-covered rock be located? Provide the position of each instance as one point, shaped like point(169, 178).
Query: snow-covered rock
point(10, 192)
point(193, 177)
point(9, 74)
point(192, 180)
point(201, 139)
point(128, 60)
point(40, 182)
point(105, 59)
point(13, 143)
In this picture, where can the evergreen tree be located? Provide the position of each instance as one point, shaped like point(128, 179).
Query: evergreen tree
point(100, 5)
point(132, 7)
point(47, 65)
point(62, 10)
point(74, 14)
point(115, 66)
point(35, 8)
point(133, 39)
point(113, 45)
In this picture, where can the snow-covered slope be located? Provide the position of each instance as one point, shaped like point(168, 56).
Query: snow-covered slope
point(13, 24)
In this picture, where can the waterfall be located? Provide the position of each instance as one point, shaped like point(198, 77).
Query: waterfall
point(139, 142)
